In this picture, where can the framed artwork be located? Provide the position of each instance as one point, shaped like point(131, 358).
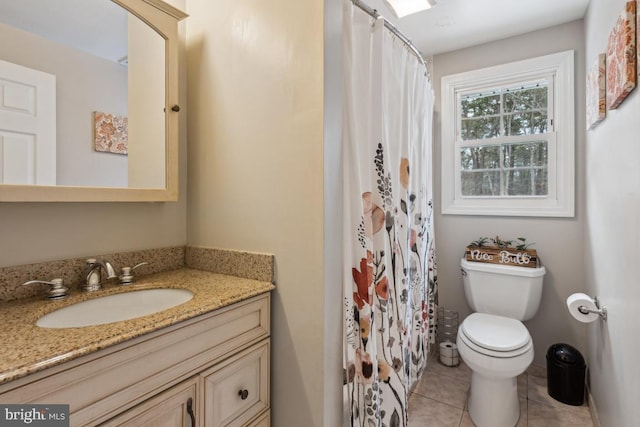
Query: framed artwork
point(621, 57)
point(111, 133)
point(596, 92)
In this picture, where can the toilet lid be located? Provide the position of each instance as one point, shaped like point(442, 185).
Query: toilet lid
point(496, 333)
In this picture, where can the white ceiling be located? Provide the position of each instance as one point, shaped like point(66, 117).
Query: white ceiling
point(455, 24)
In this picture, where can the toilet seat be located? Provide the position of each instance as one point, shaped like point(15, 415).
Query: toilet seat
point(495, 336)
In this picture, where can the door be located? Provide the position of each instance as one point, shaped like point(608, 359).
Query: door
point(27, 125)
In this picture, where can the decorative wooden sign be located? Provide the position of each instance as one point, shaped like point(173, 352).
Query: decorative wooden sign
point(504, 256)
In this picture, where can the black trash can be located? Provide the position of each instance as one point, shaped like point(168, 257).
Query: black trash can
point(565, 374)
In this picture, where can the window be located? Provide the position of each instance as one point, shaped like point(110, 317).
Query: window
point(508, 139)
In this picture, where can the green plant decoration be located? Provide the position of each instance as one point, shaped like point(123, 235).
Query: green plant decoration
point(502, 244)
point(480, 242)
point(520, 243)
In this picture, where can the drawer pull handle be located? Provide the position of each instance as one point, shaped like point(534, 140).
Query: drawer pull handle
point(243, 394)
point(190, 412)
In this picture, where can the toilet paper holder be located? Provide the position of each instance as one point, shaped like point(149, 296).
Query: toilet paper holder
point(601, 311)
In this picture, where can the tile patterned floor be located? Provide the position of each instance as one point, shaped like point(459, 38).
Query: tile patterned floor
point(439, 400)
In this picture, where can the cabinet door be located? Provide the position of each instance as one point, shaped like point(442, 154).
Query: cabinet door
point(263, 421)
point(237, 390)
point(175, 407)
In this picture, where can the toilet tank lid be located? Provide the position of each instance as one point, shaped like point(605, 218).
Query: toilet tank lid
point(502, 269)
point(496, 333)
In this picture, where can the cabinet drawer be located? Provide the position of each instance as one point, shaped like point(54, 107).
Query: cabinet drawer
point(237, 390)
point(172, 408)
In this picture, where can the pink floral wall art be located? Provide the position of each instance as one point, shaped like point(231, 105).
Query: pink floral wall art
point(621, 57)
point(111, 133)
point(596, 92)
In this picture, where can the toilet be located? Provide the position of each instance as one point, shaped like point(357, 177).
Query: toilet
point(492, 340)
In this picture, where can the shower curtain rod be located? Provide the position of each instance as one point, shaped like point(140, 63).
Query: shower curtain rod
point(374, 13)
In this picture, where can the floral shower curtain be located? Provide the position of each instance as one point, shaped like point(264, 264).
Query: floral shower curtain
point(390, 287)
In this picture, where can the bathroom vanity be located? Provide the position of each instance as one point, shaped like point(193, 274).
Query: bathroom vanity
point(204, 362)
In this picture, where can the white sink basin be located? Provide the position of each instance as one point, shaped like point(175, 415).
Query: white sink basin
point(114, 308)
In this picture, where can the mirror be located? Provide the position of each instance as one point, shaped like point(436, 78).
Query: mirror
point(88, 100)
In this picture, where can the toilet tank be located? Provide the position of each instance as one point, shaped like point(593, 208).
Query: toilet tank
point(504, 290)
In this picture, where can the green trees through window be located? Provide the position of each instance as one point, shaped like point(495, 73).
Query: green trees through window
point(503, 150)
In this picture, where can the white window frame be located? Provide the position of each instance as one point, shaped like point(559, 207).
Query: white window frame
point(559, 202)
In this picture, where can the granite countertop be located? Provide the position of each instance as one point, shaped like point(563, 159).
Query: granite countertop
point(28, 348)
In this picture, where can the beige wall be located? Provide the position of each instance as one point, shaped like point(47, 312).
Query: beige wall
point(255, 74)
point(34, 232)
point(612, 235)
point(559, 241)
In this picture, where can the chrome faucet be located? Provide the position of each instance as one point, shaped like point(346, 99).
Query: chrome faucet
point(93, 279)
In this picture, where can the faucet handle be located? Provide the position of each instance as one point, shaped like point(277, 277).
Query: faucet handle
point(57, 291)
point(126, 277)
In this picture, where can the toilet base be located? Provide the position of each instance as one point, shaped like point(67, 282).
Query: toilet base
point(493, 402)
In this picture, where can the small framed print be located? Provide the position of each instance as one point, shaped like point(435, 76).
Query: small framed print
point(596, 92)
point(111, 133)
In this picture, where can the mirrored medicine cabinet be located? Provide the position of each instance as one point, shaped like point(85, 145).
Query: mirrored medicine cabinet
point(89, 100)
